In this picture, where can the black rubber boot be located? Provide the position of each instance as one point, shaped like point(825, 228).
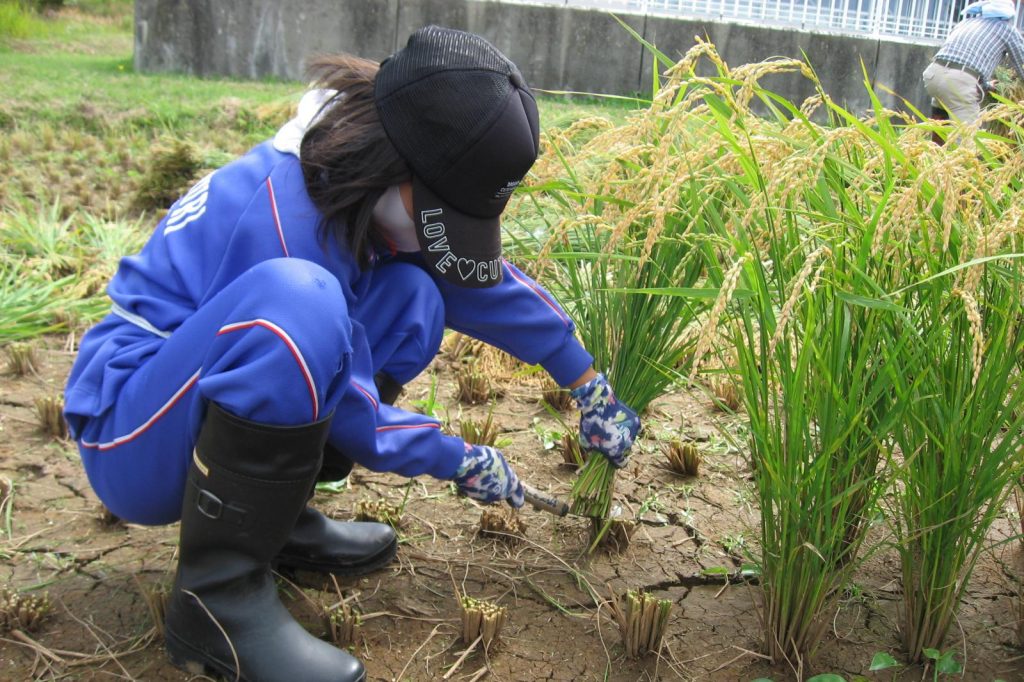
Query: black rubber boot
point(247, 485)
point(388, 388)
point(344, 548)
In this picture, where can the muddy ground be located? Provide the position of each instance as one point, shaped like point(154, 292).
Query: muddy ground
point(693, 530)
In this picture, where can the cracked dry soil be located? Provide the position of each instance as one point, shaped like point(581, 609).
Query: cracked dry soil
point(692, 536)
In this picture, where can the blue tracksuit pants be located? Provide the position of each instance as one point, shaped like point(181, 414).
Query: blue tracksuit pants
point(276, 346)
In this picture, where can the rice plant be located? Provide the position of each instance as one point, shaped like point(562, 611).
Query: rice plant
point(797, 309)
point(622, 252)
point(959, 442)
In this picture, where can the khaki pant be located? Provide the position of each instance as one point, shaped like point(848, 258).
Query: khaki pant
point(957, 91)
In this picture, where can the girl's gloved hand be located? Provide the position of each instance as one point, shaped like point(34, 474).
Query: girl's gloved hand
point(485, 476)
point(607, 424)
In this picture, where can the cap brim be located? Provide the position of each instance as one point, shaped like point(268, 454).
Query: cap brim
point(462, 249)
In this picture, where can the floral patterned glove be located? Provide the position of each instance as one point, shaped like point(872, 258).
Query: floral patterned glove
point(485, 475)
point(607, 424)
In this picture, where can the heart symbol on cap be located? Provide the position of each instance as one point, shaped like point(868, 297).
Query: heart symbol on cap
point(466, 267)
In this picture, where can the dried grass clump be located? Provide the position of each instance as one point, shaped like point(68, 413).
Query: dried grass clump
point(380, 511)
point(51, 416)
point(481, 619)
point(21, 359)
point(479, 433)
point(343, 623)
point(502, 524)
point(642, 620)
point(275, 114)
point(155, 597)
point(683, 456)
point(21, 612)
point(473, 386)
point(171, 172)
point(572, 453)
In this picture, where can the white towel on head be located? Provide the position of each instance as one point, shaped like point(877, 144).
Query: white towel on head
point(289, 138)
point(991, 9)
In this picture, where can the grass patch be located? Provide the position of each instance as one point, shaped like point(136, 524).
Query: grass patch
point(18, 22)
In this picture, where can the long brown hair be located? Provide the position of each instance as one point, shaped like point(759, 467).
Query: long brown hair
point(347, 159)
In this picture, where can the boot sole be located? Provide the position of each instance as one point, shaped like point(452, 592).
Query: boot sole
point(378, 561)
point(184, 657)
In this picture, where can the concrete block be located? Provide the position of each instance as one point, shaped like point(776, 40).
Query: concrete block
point(556, 47)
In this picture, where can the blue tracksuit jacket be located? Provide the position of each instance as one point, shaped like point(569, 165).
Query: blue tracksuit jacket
point(254, 216)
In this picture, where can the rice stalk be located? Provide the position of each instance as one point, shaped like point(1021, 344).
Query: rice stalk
point(22, 612)
point(344, 624)
point(50, 410)
point(557, 397)
point(472, 386)
point(480, 433)
point(683, 456)
point(505, 525)
point(481, 619)
point(613, 533)
point(642, 620)
point(379, 511)
point(155, 597)
point(569, 447)
point(21, 359)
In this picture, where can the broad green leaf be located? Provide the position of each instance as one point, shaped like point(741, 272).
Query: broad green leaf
point(948, 665)
point(883, 661)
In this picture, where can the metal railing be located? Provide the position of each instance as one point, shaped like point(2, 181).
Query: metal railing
point(919, 20)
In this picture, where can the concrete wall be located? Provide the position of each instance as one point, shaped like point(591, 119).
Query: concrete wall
point(557, 48)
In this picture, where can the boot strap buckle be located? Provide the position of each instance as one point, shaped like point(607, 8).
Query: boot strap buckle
point(212, 507)
point(209, 505)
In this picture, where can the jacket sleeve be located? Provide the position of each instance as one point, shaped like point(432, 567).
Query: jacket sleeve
point(521, 318)
point(381, 437)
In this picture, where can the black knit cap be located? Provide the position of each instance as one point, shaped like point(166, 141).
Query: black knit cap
point(463, 118)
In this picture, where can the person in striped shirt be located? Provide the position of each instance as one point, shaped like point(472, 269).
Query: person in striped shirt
point(960, 71)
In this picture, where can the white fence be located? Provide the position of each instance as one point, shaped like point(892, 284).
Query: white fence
point(919, 20)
